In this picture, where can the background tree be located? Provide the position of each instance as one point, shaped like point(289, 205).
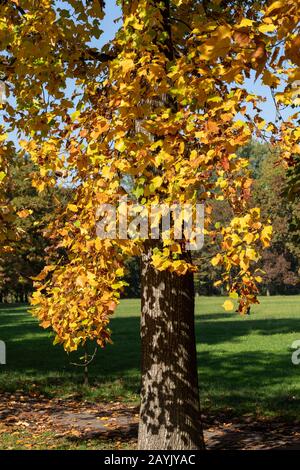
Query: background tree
point(133, 278)
point(7, 213)
point(291, 191)
point(27, 254)
point(280, 262)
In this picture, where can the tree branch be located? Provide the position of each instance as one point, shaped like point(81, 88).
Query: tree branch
point(94, 54)
point(14, 5)
point(179, 20)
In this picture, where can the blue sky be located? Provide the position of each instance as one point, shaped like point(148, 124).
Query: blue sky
point(112, 12)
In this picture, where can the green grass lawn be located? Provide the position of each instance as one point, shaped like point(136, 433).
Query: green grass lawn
point(244, 362)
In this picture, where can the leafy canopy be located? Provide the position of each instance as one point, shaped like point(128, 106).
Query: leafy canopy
point(164, 105)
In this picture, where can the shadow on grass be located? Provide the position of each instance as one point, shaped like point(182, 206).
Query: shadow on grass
point(210, 331)
point(245, 380)
point(32, 359)
point(253, 382)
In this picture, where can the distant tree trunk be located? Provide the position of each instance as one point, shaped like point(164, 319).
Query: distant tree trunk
point(86, 368)
point(170, 411)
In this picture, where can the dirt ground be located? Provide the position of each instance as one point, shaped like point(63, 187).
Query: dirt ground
point(117, 422)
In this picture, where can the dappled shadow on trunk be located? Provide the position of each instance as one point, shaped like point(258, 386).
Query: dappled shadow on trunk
point(170, 414)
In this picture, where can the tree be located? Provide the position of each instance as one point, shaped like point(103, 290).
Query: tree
point(280, 262)
point(133, 278)
point(157, 105)
point(27, 254)
point(256, 152)
point(291, 192)
point(7, 212)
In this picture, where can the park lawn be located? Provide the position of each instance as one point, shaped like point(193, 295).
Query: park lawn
point(244, 363)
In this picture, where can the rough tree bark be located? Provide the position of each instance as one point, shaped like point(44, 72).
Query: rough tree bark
point(170, 411)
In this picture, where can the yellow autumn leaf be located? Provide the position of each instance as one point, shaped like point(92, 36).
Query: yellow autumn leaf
point(251, 254)
point(249, 237)
point(23, 214)
point(228, 305)
point(120, 146)
point(216, 260)
point(156, 182)
point(98, 244)
point(72, 207)
point(266, 235)
point(233, 295)
point(274, 7)
point(267, 28)
point(245, 23)
point(127, 65)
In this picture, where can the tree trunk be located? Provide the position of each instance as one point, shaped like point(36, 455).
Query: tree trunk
point(170, 411)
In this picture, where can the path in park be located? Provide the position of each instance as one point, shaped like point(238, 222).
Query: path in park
point(119, 422)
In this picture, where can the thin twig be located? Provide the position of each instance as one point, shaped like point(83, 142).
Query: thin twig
point(86, 363)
